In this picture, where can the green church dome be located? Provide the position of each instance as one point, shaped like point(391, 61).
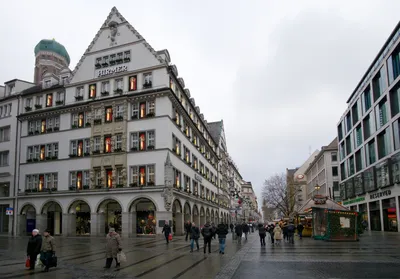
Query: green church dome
point(52, 45)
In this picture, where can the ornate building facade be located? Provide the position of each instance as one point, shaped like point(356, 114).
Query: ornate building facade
point(118, 142)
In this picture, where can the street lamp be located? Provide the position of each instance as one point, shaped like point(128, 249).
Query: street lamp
point(317, 187)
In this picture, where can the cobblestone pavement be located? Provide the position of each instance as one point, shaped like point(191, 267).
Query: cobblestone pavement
point(376, 255)
point(146, 258)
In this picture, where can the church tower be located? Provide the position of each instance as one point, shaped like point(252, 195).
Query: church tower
point(51, 58)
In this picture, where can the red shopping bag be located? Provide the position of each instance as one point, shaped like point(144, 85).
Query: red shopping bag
point(170, 237)
point(27, 262)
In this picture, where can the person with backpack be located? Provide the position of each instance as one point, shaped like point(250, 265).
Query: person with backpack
point(207, 233)
point(300, 229)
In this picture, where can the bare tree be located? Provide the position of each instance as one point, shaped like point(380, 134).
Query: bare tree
point(279, 192)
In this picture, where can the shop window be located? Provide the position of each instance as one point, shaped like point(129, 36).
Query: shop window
point(49, 100)
point(133, 83)
point(92, 91)
point(107, 144)
point(109, 114)
point(109, 178)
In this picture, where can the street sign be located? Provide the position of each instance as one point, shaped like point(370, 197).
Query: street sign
point(9, 211)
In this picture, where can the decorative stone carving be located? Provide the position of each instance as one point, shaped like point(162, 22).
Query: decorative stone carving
point(168, 179)
point(123, 173)
point(112, 143)
point(92, 176)
point(113, 32)
point(103, 176)
point(114, 174)
point(123, 142)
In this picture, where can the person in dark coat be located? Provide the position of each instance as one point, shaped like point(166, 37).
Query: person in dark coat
point(232, 227)
point(300, 229)
point(194, 237)
point(34, 246)
point(207, 233)
point(271, 233)
point(239, 232)
point(188, 228)
point(262, 234)
point(166, 230)
point(290, 231)
point(285, 232)
point(245, 230)
point(222, 231)
point(214, 228)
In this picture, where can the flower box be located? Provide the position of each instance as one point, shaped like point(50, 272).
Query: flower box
point(133, 184)
point(78, 98)
point(49, 130)
point(37, 132)
point(88, 124)
point(72, 188)
point(97, 65)
point(74, 126)
point(105, 93)
point(96, 152)
point(56, 129)
point(118, 91)
point(150, 147)
point(134, 149)
point(120, 186)
point(59, 103)
point(127, 60)
point(118, 118)
point(86, 154)
point(134, 117)
point(150, 114)
point(54, 189)
point(150, 183)
point(72, 155)
point(104, 65)
point(54, 158)
point(29, 160)
point(120, 60)
point(99, 186)
point(37, 106)
point(117, 150)
point(30, 133)
point(147, 85)
point(97, 121)
point(85, 187)
point(48, 158)
point(112, 62)
point(35, 159)
point(28, 109)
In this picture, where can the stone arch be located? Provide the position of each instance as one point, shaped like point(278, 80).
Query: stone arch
point(202, 211)
point(142, 216)
point(76, 201)
point(47, 205)
point(208, 215)
point(139, 198)
point(212, 216)
point(110, 215)
point(105, 201)
point(177, 206)
point(195, 210)
point(202, 216)
point(25, 208)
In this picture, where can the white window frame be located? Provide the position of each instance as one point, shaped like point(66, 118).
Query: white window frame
point(74, 147)
point(119, 83)
point(151, 138)
point(135, 110)
point(148, 77)
point(79, 91)
point(38, 100)
point(96, 143)
point(5, 134)
point(73, 178)
point(56, 122)
point(4, 158)
point(151, 173)
point(86, 146)
point(47, 181)
point(119, 176)
point(36, 152)
point(55, 179)
point(49, 150)
point(135, 140)
point(118, 141)
point(28, 102)
point(86, 178)
point(105, 86)
point(97, 177)
point(55, 149)
point(151, 107)
point(134, 174)
point(119, 110)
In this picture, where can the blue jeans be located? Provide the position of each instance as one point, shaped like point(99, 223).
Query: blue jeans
point(222, 244)
point(192, 244)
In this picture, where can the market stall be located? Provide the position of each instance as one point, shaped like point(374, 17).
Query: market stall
point(330, 220)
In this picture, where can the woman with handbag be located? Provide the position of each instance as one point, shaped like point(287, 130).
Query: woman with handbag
point(34, 246)
point(113, 247)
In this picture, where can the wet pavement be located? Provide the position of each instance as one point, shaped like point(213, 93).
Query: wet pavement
point(377, 255)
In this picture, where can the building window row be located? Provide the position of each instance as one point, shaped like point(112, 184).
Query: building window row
point(45, 125)
point(195, 139)
point(143, 140)
point(5, 134)
point(141, 110)
point(113, 59)
point(192, 160)
point(79, 180)
point(182, 182)
point(190, 110)
point(41, 182)
point(40, 101)
point(79, 148)
point(109, 144)
point(5, 110)
point(118, 87)
point(142, 175)
point(42, 152)
point(4, 158)
point(81, 119)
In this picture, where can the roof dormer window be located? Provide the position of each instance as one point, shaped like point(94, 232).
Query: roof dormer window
point(10, 90)
point(47, 83)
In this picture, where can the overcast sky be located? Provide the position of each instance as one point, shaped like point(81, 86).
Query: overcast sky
point(277, 72)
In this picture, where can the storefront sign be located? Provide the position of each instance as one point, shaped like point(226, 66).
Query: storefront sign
point(361, 199)
point(9, 211)
point(198, 177)
point(111, 71)
point(380, 194)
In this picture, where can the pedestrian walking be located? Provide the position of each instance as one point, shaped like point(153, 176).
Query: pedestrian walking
point(262, 234)
point(300, 229)
point(278, 234)
point(285, 232)
point(271, 233)
point(232, 227)
point(166, 230)
point(222, 231)
point(48, 250)
point(207, 233)
point(239, 232)
point(113, 246)
point(188, 228)
point(245, 230)
point(290, 231)
point(214, 229)
point(34, 247)
point(194, 237)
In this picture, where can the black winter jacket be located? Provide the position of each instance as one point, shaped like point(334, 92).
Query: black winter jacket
point(34, 245)
point(222, 230)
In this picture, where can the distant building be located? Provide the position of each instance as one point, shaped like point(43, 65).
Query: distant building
point(323, 172)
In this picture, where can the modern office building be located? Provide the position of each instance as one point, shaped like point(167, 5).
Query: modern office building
point(369, 141)
point(322, 173)
point(117, 142)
